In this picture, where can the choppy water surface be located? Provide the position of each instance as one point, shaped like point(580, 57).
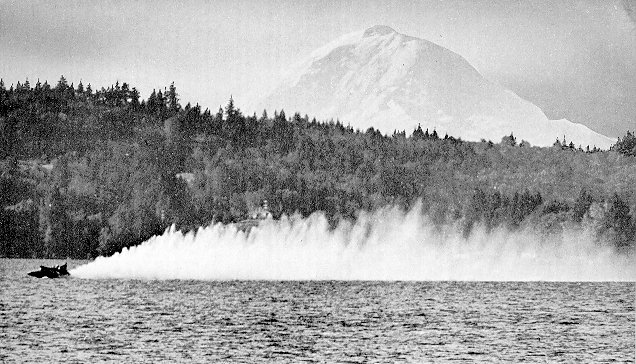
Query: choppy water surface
point(84, 320)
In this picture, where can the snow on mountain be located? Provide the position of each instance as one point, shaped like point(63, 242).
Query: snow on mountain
point(392, 81)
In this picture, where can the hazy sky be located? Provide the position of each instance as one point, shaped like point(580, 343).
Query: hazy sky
point(574, 59)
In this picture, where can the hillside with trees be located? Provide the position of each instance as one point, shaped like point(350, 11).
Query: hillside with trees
point(87, 172)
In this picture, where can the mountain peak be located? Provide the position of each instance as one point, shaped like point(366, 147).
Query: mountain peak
point(390, 81)
point(378, 30)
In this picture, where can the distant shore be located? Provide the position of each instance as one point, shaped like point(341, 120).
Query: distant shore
point(88, 173)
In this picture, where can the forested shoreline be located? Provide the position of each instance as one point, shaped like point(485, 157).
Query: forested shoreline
point(87, 172)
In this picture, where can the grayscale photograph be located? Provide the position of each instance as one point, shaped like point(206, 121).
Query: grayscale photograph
point(319, 181)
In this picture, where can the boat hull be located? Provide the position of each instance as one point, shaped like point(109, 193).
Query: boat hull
point(50, 272)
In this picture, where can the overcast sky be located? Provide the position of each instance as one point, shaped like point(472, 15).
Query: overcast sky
point(574, 59)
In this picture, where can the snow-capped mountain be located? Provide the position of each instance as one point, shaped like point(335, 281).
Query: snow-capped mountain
point(392, 81)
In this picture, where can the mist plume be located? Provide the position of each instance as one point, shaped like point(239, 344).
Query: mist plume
point(389, 244)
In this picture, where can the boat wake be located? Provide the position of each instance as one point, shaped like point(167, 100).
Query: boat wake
point(389, 244)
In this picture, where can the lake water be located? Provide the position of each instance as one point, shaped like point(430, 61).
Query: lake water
point(89, 320)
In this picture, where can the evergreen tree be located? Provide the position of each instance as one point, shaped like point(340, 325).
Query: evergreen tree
point(62, 84)
point(134, 99)
point(151, 104)
point(418, 134)
point(282, 133)
point(124, 94)
point(79, 92)
point(216, 126)
point(161, 104)
point(626, 146)
point(230, 110)
point(234, 125)
point(172, 99)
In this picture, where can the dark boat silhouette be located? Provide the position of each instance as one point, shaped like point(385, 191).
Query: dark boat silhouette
point(50, 272)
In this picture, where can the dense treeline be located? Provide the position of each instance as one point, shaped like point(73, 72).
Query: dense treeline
point(88, 172)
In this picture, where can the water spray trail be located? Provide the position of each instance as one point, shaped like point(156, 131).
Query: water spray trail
point(385, 245)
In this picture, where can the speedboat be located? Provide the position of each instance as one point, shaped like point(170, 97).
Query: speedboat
point(50, 272)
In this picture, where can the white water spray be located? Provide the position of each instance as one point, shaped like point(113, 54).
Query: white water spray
point(385, 245)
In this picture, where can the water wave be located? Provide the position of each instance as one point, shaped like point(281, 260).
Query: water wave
point(389, 244)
